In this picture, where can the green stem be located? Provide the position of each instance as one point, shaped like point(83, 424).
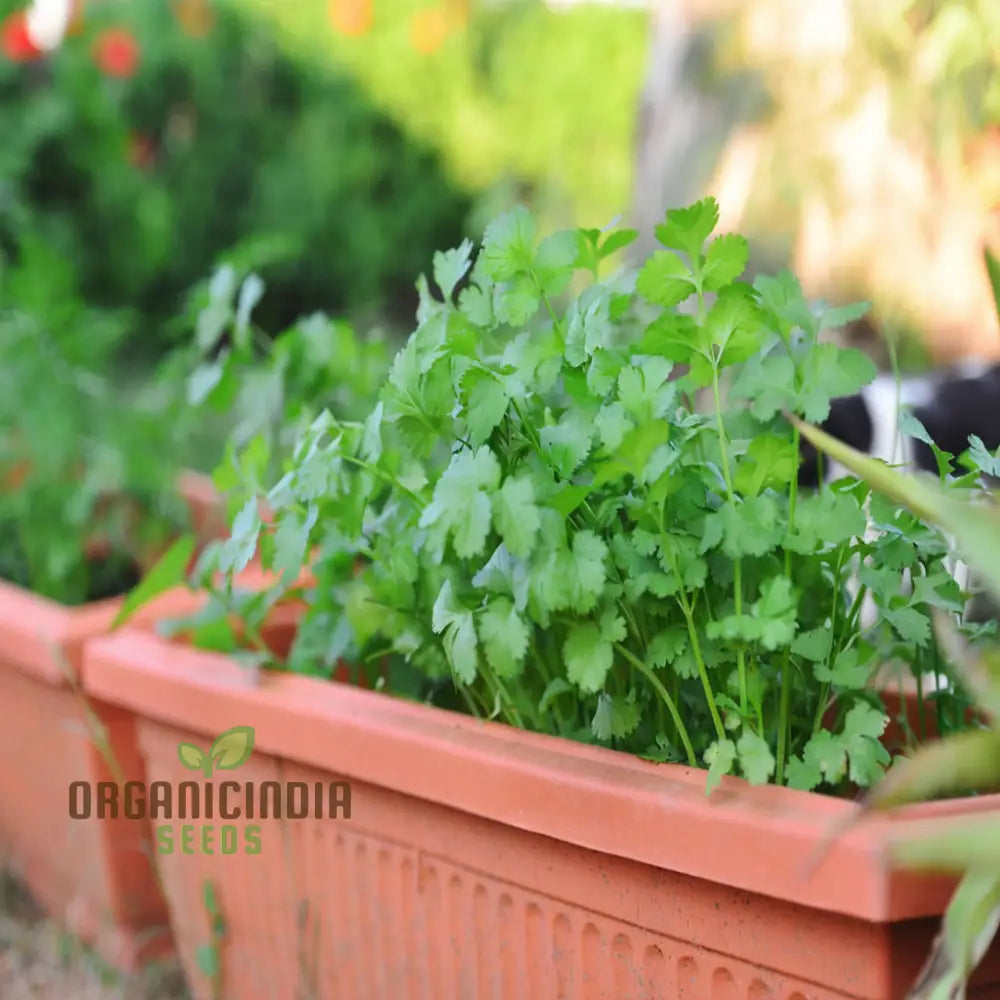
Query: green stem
point(692, 634)
point(737, 563)
point(667, 700)
point(824, 691)
point(384, 476)
point(786, 677)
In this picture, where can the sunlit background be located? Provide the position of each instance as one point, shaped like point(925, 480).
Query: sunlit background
point(333, 145)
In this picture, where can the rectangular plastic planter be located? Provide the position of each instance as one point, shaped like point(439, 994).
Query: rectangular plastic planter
point(96, 879)
point(480, 861)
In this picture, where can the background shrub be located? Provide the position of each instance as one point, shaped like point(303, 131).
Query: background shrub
point(213, 142)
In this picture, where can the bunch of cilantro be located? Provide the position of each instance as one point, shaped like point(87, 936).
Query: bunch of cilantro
point(534, 521)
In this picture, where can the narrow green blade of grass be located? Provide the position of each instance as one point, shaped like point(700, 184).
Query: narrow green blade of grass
point(993, 270)
point(169, 571)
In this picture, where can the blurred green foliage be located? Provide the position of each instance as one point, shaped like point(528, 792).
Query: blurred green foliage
point(539, 101)
point(220, 145)
point(93, 457)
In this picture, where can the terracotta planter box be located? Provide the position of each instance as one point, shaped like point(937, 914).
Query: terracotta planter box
point(97, 879)
point(481, 861)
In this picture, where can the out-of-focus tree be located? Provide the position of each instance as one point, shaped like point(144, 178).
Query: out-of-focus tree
point(876, 168)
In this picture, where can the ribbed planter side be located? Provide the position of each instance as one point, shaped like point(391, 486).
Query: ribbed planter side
point(481, 861)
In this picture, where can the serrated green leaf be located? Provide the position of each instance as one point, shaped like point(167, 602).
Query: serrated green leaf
point(725, 260)
point(756, 760)
point(720, 757)
point(665, 280)
point(588, 657)
point(614, 718)
point(687, 228)
point(516, 515)
point(505, 638)
point(450, 266)
point(508, 243)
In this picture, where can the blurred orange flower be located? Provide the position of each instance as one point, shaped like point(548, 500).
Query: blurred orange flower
point(429, 29)
point(351, 17)
point(433, 26)
point(194, 16)
point(116, 52)
point(15, 41)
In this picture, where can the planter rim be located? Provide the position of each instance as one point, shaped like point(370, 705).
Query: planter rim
point(656, 814)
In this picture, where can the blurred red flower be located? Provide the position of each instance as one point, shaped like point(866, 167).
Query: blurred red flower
point(15, 41)
point(351, 17)
point(116, 52)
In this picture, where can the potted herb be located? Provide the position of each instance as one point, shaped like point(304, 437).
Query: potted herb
point(552, 536)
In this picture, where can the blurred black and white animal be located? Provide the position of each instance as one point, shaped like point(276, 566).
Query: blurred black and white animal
point(953, 404)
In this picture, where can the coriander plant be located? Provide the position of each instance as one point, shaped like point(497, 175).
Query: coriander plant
point(534, 522)
point(270, 387)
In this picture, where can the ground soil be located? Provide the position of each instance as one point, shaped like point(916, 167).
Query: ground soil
point(39, 961)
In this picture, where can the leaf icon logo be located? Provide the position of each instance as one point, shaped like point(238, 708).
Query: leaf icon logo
point(230, 750)
point(192, 757)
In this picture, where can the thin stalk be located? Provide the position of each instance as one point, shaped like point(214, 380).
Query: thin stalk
point(786, 678)
point(706, 684)
point(737, 563)
point(824, 691)
point(384, 476)
point(665, 695)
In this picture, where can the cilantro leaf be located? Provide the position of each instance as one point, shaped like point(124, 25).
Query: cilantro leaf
point(756, 760)
point(516, 516)
point(725, 261)
point(665, 280)
point(450, 266)
point(986, 462)
point(567, 443)
point(488, 398)
point(720, 757)
point(508, 243)
point(505, 638)
point(460, 642)
point(615, 717)
point(589, 657)
point(687, 228)
point(863, 729)
point(461, 500)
